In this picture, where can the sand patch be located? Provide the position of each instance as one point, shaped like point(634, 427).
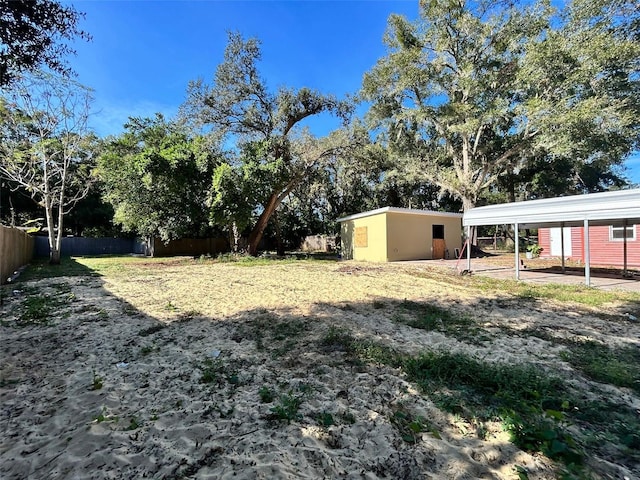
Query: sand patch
point(112, 384)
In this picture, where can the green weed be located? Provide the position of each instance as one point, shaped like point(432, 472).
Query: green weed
point(287, 408)
point(348, 418)
point(97, 381)
point(216, 371)
point(409, 426)
point(531, 403)
point(358, 350)
point(130, 310)
point(146, 350)
point(337, 339)
point(133, 424)
point(619, 366)
point(104, 417)
point(271, 333)
point(266, 394)
point(170, 307)
point(101, 417)
point(325, 419)
point(212, 371)
point(431, 317)
point(38, 309)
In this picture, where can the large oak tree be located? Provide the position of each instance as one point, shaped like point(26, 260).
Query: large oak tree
point(475, 90)
point(157, 176)
point(262, 128)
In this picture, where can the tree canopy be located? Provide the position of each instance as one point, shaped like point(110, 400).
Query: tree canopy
point(476, 101)
point(46, 147)
point(476, 90)
point(157, 177)
point(268, 149)
point(32, 35)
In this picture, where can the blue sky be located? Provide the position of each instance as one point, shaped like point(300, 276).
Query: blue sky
point(144, 53)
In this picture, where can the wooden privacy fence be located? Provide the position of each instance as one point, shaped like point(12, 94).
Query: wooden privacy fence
point(16, 249)
point(188, 246)
point(77, 246)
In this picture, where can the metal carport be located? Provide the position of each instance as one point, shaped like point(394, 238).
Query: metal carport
point(619, 208)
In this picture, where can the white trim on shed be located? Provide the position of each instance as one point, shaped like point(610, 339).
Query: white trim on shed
point(410, 211)
point(619, 208)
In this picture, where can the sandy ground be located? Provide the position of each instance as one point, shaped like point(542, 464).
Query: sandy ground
point(111, 385)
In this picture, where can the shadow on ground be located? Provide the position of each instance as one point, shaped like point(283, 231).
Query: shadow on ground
point(91, 386)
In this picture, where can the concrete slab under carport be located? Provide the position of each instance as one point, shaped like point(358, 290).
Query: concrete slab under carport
point(533, 275)
point(615, 208)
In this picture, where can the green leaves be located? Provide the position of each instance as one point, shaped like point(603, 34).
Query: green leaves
point(269, 155)
point(476, 90)
point(157, 177)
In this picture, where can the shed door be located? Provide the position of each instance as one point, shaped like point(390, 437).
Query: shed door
point(438, 246)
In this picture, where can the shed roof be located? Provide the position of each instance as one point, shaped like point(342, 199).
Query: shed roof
point(409, 211)
point(606, 208)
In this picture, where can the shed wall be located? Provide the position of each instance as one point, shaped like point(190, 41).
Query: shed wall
point(410, 237)
point(452, 234)
point(376, 235)
point(394, 236)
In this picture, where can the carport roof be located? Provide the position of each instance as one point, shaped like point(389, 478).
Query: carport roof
point(606, 208)
point(410, 211)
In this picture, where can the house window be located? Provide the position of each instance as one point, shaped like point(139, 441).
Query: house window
point(616, 234)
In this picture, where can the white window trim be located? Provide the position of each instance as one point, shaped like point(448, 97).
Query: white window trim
point(630, 228)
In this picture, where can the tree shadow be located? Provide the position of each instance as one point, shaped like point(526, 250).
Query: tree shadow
point(321, 393)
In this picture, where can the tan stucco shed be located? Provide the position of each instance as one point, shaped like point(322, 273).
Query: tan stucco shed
point(391, 234)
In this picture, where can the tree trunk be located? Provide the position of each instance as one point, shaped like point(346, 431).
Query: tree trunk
point(234, 236)
point(149, 250)
point(279, 244)
point(261, 224)
point(55, 259)
point(13, 213)
point(54, 254)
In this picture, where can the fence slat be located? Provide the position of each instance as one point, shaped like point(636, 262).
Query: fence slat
point(16, 250)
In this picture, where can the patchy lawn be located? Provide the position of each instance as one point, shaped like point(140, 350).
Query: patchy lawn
point(180, 368)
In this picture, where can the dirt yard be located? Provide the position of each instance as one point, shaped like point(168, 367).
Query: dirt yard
point(132, 368)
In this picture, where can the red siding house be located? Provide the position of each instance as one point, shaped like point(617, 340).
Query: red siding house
point(606, 244)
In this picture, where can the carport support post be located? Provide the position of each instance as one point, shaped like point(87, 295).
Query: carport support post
point(624, 247)
point(587, 257)
point(516, 236)
point(468, 248)
point(562, 245)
